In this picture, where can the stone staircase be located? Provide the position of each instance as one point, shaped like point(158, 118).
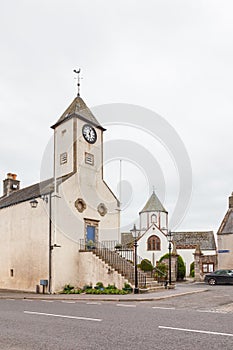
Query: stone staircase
point(123, 266)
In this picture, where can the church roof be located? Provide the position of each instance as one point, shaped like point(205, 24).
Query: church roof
point(153, 204)
point(78, 109)
point(226, 226)
point(189, 240)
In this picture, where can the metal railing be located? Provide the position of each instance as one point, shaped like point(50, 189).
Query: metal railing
point(109, 254)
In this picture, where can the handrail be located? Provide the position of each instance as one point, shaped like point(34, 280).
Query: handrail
point(114, 259)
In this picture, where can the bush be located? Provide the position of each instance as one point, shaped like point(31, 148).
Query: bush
point(180, 266)
point(146, 265)
point(68, 289)
point(192, 271)
point(161, 271)
point(98, 289)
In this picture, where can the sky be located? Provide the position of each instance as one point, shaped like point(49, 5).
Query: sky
point(172, 58)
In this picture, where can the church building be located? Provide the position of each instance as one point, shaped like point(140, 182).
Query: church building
point(44, 227)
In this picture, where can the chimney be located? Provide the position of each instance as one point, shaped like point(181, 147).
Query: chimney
point(10, 184)
point(231, 201)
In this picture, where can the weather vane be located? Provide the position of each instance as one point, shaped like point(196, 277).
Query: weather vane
point(78, 78)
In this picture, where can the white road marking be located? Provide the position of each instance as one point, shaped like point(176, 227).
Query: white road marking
point(48, 301)
point(28, 300)
point(196, 331)
point(213, 311)
point(63, 316)
point(124, 305)
point(10, 299)
point(68, 302)
point(93, 303)
point(163, 308)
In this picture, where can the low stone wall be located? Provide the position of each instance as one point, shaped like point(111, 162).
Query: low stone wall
point(91, 270)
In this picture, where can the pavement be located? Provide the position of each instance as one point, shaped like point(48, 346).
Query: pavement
point(179, 291)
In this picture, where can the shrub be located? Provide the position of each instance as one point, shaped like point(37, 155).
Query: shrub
point(180, 268)
point(68, 289)
point(192, 271)
point(161, 271)
point(146, 265)
point(99, 289)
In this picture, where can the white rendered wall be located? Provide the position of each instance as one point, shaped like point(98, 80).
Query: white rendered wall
point(152, 255)
point(225, 260)
point(24, 246)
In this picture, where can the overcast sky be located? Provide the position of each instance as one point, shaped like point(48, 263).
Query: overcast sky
point(172, 57)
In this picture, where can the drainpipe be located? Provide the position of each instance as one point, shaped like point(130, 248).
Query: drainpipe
point(50, 243)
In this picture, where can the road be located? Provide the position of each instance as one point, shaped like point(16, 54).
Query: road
point(196, 321)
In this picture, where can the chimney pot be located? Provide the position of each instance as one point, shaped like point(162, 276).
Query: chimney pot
point(231, 201)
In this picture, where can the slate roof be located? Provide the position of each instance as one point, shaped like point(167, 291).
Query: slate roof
point(226, 226)
point(153, 204)
point(25, 194)
point(78, 109)
point(30, 192)
point(126, 238)
point(189, 240)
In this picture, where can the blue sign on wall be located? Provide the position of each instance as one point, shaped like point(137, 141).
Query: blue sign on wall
point(223, 251)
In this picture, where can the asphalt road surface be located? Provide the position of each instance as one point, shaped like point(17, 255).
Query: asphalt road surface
point(198, 321)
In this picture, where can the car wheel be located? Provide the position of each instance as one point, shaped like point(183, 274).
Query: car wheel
point(212, 281)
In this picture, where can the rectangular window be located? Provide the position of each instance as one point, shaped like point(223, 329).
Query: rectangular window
point(207, 268)
point(89, 158)
point(63, 158)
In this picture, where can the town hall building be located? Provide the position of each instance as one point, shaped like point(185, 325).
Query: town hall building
point(43, 226)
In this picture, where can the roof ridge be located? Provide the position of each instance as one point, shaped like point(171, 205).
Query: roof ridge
point(153, 204)
point(79, 109)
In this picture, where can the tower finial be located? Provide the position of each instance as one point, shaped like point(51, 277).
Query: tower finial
point(78, 78)
point(153, 190)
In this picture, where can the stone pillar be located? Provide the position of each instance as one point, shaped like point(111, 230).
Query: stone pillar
point(197, 263)
point(173, 267)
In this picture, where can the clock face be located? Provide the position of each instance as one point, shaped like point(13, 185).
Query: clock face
point(89, 133)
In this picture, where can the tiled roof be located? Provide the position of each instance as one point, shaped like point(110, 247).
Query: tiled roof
point(226, 226)
point(188, 240)
point(153, 204)
point(78, 109)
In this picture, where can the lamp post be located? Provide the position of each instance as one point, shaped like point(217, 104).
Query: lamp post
point(169, 236)
point(134, 232)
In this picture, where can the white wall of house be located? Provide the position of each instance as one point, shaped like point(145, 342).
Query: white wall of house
point(188, 257)
point(152, 255)
point(24, 246)
point(225, 259)
point(149, 217)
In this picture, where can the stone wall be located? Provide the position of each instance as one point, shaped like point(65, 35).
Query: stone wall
point(91, 270)
point(199, 260)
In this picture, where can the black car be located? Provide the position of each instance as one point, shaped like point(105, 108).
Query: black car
point(219, 277)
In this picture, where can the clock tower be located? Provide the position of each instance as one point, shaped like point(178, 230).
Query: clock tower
point(91, 207)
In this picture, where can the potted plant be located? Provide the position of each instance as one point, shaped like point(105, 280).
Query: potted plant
point(90, 245)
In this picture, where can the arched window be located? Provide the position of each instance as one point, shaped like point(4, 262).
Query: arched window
point(153, 243)
point(153, 218)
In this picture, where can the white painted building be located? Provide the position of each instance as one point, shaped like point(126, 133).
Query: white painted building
point(225, 239)
point(152, 241)
point(43, 242)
